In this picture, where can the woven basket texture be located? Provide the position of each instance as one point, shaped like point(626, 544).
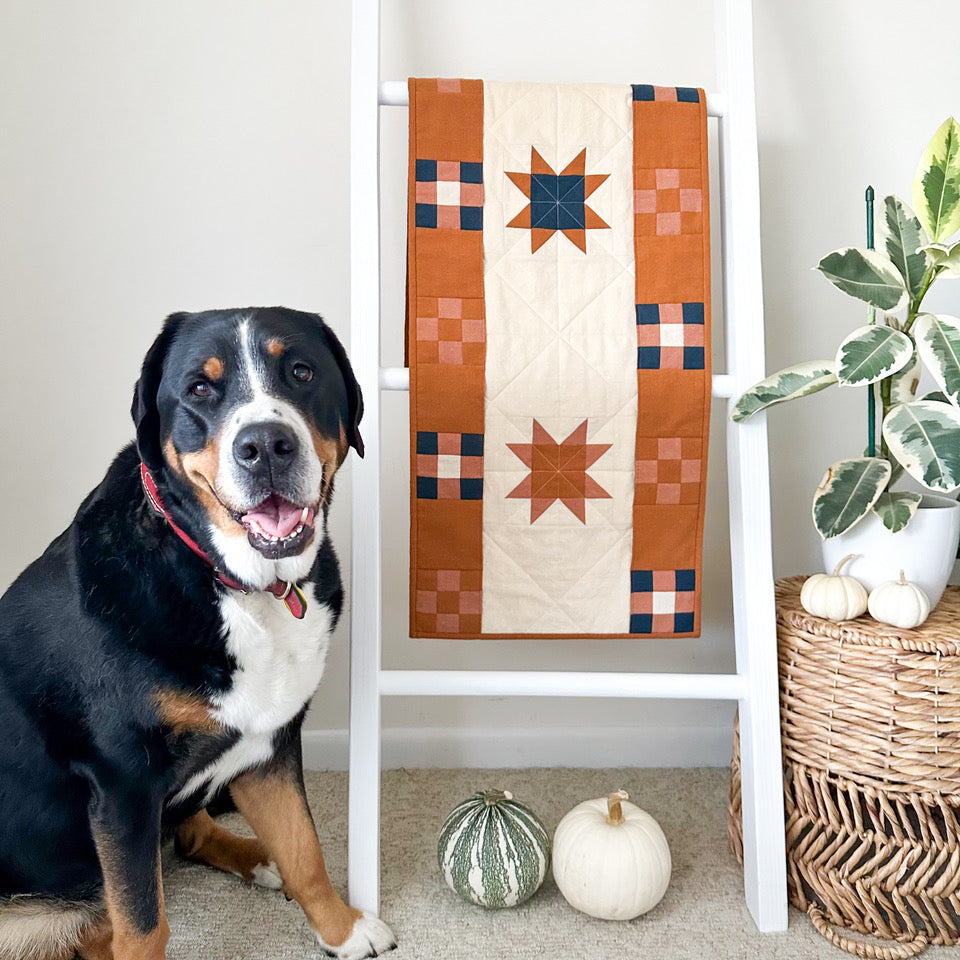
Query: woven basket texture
point(870, 722)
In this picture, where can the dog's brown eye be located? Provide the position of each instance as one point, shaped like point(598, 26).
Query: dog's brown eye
point(302, 372)
point(201, 389)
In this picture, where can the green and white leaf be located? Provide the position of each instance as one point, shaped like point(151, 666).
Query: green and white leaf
point(904, 383)
point(925, 437)
point(871, 353)
point(787, 384)
point(945, 256)
point(936, 395)
point(896, 509)
point(866, 275)
point(936, 187)
point(847, 492)
point(938, 343)
point(904, 239)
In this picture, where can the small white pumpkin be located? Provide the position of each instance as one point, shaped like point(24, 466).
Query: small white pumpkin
point(493, 850)
point(899, 603)
point(834, 597)
point(611, 859)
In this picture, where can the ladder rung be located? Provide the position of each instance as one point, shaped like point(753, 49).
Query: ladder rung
point(542, 683)
point(394, 93)
point(398, 378)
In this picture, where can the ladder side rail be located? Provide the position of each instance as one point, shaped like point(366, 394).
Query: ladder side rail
point(749, 481)
point(365, 593)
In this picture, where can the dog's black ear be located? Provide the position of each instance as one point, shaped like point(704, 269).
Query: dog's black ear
point(354, 396)
point(146, 416)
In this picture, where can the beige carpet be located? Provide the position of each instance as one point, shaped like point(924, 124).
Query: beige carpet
point(216, 917)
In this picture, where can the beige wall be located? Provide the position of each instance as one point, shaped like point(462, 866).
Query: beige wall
point(156, 157)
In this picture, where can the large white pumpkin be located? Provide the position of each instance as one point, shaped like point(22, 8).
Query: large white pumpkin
point(611, 859)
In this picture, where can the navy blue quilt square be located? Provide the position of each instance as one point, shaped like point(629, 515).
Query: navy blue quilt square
point(426, 488)
point(692, 358)
point(426, 441)
point(426, 170)
point(426, 215)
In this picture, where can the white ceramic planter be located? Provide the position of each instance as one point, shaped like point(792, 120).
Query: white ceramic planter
point(924, 550)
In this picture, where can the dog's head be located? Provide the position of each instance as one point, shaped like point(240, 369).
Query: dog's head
point(247, 415)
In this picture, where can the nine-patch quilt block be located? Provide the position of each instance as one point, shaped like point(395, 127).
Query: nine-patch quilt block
point(559, 347)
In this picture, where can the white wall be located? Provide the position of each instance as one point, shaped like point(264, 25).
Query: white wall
point(157, 157)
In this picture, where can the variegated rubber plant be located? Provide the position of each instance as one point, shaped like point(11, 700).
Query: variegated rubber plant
point(920, 436)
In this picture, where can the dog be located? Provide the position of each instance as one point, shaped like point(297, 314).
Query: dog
point(159, 657)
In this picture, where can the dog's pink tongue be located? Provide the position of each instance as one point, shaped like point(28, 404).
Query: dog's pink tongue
point(276, 516)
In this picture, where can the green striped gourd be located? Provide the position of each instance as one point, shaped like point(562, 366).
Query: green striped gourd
point(493, 851)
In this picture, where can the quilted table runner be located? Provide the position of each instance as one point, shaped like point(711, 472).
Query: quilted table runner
point(558, 341)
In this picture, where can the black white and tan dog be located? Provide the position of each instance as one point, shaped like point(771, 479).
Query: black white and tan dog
point(162, 651)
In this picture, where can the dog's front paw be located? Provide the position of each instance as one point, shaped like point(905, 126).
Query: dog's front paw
point(369, 938)
point(267, 875)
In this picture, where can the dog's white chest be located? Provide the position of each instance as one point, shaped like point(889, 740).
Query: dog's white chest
point(279, 660)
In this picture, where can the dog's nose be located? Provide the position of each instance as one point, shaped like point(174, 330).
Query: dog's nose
point(267, 448)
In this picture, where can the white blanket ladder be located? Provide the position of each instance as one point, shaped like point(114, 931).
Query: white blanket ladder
point(754, 685)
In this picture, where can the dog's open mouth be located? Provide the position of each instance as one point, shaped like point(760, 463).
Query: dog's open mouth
point(278, 528)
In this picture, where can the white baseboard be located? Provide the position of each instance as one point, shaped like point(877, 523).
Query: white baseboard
point(595, 747)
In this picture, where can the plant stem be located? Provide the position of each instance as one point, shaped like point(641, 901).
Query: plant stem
point(871, 395)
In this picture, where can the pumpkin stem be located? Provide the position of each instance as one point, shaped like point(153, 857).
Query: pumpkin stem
point(843, 562)
point(491, 797)
point(614, 810)
point(903, 579)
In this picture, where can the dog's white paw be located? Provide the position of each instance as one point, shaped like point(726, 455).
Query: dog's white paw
point(267, 875)
point(369, 938)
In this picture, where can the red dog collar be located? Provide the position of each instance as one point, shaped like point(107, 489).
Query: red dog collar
point(287, 591)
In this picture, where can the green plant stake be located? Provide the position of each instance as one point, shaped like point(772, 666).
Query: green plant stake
point(918, 435)
point(872, 314)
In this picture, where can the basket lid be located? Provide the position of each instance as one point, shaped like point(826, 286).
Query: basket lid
point(940, 632)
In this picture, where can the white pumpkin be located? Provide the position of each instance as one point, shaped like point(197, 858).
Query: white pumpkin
point(611, 859)
point(834, 597)
point(899, 603)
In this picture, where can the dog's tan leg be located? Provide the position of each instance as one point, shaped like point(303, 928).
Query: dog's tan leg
point(202, 839)
point(97, 942)
point(274, 805)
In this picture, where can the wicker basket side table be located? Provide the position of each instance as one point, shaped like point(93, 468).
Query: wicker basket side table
point(870, 724)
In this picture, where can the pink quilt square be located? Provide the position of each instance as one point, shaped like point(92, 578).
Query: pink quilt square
point(693, 335)
point(450, 351)
point(691, 201)
point(471, 194)
point(668, 224)
point(448, 623)
point(448, 218)
point(449, 170)
point(472, 330)
point(671, 313)
point(662, 623)
point(471, 468)
point(668, 493)
point(689, 471)
point(668, 448)
point(448, 580)
point(427, 328)
point(641, 603)
point(671, 358)
point(448, 443)
point(470, 602)
point(426, 191)
point(664, 93)
point(644, 201)
point(648, 335)
point(450, 307)
point(685, 602)
point(668, 178)
point(426, 601)
point(426, 464)
point(664, 581)
point(646, 471)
